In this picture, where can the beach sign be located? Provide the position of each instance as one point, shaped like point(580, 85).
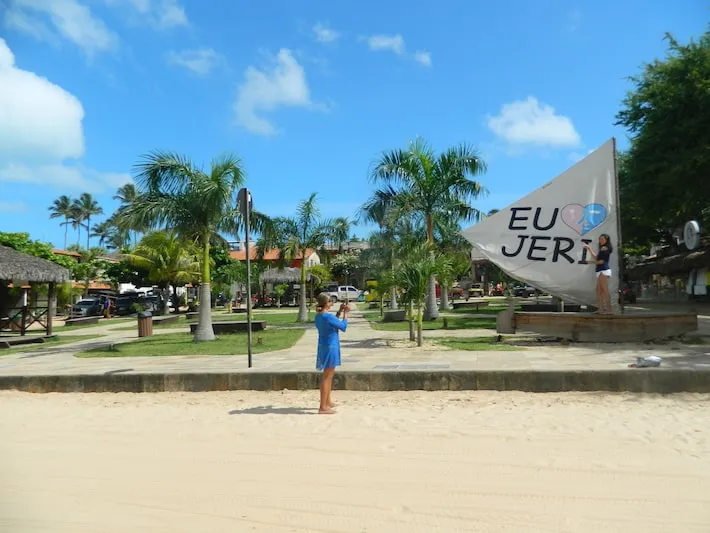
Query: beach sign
point(540, 239)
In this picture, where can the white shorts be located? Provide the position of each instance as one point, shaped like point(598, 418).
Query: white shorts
point(606, 273)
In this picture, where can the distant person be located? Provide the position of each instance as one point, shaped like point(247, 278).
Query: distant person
point(603, 271)
point(328, 356)
point(107, 308)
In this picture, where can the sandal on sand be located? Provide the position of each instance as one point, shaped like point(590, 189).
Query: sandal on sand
point(328, 411)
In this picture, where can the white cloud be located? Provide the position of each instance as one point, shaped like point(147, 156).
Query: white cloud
point(158, 13)
point(200, 61)
point(62, 176)
point(424, 58)
point(392, 43)
point(13, 207)
point(324, 34)
point(282, 84)
point(41, 128)
point(39, 117)
point(527, 122)
point(71, 19)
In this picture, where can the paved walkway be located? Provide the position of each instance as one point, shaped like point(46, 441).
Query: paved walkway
point(363, 349)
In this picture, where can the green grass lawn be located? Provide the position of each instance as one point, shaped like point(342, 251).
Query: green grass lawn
point(48, 344)
point(182, 344)
point(102, 322)
point(476, 344)
point(438, 324)
point(272, 319)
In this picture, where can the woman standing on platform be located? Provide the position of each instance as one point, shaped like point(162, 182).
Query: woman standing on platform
point(328, 357)
point(603, 271)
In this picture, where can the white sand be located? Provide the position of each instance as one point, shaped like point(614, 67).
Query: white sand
point(387, 462)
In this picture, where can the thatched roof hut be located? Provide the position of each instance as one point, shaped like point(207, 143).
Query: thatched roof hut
point(285, 275)
point(17, 266)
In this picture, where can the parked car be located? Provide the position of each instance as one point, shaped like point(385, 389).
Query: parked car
point(124, 305)
point(345, 292)
point(523, 291)
point(476, 291)
point(86, 308)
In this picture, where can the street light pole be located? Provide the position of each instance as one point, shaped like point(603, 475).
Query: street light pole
point(245, 205)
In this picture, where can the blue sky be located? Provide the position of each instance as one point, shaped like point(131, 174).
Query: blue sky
point(308, 93)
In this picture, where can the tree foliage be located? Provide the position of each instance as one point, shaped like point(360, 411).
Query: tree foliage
point(664, 175)
point(22, 243)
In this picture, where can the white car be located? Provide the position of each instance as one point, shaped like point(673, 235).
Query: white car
point(343, 293)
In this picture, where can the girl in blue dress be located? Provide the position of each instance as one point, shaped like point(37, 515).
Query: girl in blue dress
point(328, 347)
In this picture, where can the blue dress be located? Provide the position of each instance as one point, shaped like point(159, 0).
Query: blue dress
point(328, 340)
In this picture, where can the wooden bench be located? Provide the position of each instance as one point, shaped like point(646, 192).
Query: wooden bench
point(398, 315)
point(470, 305)
point(239, 309)
point(9, 342)
point(233, 327)
point(83, 321)
point(165, 319)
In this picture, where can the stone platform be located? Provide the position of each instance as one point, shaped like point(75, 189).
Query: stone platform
point(663, 381)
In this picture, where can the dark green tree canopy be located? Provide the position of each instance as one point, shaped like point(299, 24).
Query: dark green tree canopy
point(665, 176)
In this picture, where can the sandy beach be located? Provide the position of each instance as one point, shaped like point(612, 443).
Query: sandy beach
point(387, 462)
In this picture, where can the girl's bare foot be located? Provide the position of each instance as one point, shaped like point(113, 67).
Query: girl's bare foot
point(331, 405)
point(327, 411)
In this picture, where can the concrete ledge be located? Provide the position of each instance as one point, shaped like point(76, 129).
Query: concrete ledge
point(648, 380)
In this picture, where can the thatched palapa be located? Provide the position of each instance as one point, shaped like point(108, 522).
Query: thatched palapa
point(17, 266)
point(285, 275)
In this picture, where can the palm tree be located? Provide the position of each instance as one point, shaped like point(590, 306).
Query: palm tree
point(86, 207)
point(62, 207)
point(456, 248)
point(76, 218)
point(175, 194)
point(340, 232)
point(104, 231)
point(169, 261)
point(126, 194)
point(293, 237)
point(429, 185)
point(421, 264)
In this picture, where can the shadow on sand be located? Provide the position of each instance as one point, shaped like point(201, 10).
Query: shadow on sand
point(271, 410)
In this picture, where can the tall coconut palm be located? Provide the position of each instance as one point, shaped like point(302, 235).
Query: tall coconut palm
point(175, 194)
point(340, 232)
point(431, 184)
point(294, 237)
point(76, 221)
point(126, 194)
point(169, 260)
point(62, 207)
point(104, 231)
point(86, 207)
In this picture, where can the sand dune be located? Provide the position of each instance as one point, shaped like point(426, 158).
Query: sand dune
point(387, 462)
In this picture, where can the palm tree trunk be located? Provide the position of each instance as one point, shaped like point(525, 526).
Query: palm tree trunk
point(166, 300)
point(66, 229)
point(431, 312)
point(419, 324)
point(444, 295)
point(410, 319)
point(302, 309)
point(88, 230)
point(204, 331)
point(393, 293)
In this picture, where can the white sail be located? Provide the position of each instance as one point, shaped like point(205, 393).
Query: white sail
point(540, 238)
